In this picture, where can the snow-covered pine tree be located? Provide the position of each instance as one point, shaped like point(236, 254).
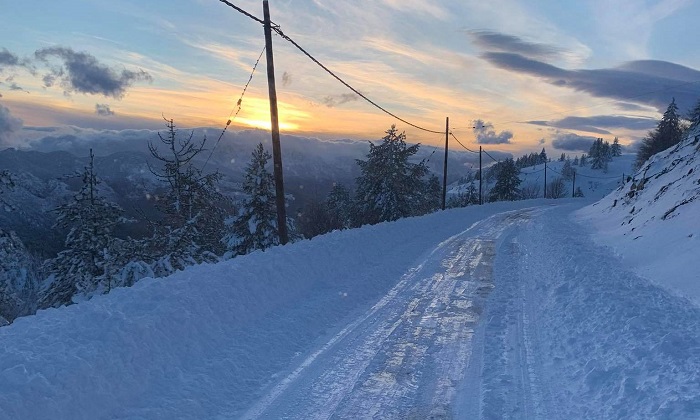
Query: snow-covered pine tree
point(18, 278)
point(390, 187)
point(694, 116)
point(600, 154)
point(507, 186)
point(79, 270)
point(6, 184)
point(616, 148)
point(667, 133)
point(567, 170)
point(584, 160)
point(339, 206)
point(432, 196)
point(543, 156)
point(194, 210)
point(255, 226)
point(467, 197)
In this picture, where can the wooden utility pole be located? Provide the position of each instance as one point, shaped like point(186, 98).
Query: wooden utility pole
point(573, 186)
point(275, 128)
point(545, 179)
point(444, 171)
point(481, 199)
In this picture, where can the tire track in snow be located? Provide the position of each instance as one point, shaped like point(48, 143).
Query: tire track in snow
point(408, 353)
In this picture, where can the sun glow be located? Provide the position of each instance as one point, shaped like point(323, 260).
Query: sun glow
point(267, 125)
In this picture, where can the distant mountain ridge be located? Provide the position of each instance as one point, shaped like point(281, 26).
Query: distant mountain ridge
point(44, 179)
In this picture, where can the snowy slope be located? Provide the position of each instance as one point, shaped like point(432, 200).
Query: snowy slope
point(594, 183)
point(653, 221)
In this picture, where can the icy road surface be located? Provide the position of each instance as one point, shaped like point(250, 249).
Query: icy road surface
point(519, 316)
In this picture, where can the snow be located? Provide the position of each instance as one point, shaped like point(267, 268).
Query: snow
point(507, 310)
point(207, 340)
point(655, 228)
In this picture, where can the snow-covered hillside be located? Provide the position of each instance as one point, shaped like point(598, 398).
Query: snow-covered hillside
point(653, 221)
point(594, 183)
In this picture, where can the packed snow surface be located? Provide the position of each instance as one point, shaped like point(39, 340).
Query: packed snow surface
point(508, 310)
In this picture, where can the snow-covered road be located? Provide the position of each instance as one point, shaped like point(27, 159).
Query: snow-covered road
point(519, 316)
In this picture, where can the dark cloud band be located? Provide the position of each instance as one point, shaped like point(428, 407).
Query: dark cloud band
point(496, 41)
point(83, 73)
point(647, 82)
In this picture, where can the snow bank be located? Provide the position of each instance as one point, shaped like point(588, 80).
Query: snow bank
point(653, 221)
point(197, 344)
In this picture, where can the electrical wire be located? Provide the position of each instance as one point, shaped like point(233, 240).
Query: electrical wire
point(229, 4)
point(489, 155)
point(460, 143)
point(237, 108)
point(357, 92)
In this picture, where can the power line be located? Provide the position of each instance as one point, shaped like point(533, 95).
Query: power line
point(357, 92)
point(260, 21)
point(460, 143)
point(238, 105)
point(533, 172)
point(489, 155)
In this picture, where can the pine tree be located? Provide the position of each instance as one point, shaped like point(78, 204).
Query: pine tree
point(390, 187)
point(543, 156)
point(694, 116)
point(576, 161)
point(18, 278)
point(469, 196)
point(507, 182)
point(567, 170)
point(314, 219)
point(255, 226)
point(80, 269)
point(600, 154)
point(584, 160)
point(339, 207)
point(6, 184)
point(667, 133)
point(616, 149)
point(194, 210)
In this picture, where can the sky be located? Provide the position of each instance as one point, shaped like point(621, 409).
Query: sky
point(526, 74)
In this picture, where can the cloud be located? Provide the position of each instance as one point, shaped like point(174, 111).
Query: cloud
point(103, 110)
point(8, 59)
point(485, 134)
point(496, 41)
point(9, 124)
point(600, 123)
point(286, 79)
point(83, 73)
point(572, 142)
point(15, 86)
point(333, 101)
point(647, 82)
